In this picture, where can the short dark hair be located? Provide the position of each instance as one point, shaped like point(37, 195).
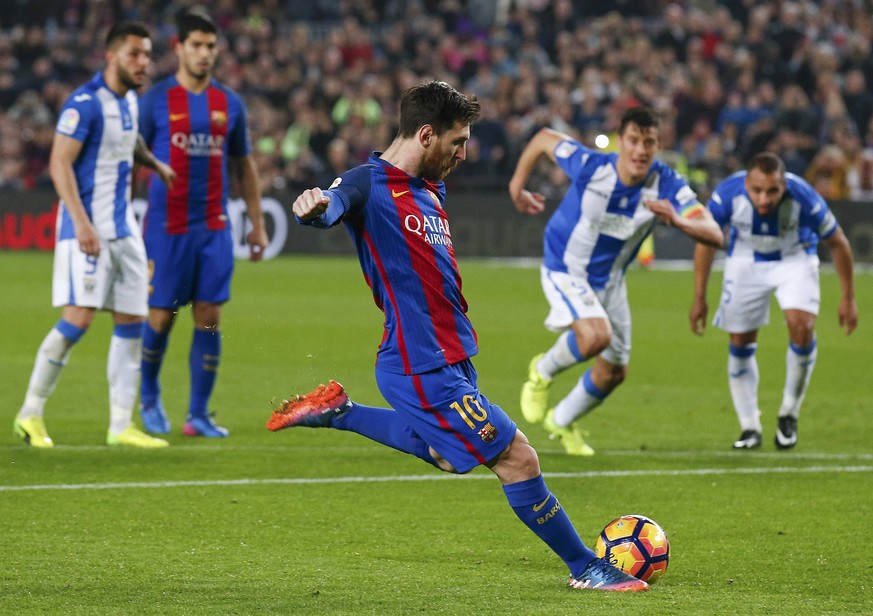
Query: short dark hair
point(438, 104)
point(767, 163)
point(194, 19)
point(641, 115)
point(121, 30)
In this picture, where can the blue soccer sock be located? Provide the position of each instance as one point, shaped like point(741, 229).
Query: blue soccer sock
point(203, 363)
point(383, 426)
point(542, 513)
point(154, 345)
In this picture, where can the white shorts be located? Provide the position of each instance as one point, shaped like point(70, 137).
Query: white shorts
point(116, 280)
point(748, 285)
point(571, 298)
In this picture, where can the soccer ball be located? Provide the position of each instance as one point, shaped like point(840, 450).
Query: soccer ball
point(636, 545)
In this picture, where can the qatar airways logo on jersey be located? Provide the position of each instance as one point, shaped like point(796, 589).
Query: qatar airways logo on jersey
point(199, 144)
point(432, 229)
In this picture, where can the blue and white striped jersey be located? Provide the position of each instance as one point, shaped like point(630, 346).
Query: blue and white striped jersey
point(598, 227)
point(106, 124)
point(793, 229)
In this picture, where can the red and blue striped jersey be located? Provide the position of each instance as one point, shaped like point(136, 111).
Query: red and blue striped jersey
point(401, 233)
point(193, 133)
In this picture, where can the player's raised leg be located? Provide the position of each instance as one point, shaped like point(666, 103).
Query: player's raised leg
point(576, 309)
point(535, 390)
point(329, 406)
point(543, 368)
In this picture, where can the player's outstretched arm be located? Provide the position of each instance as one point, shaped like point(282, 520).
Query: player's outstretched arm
point(65, 151)
point(543, 144)
point(841, 253)
point(703, 258)
point(698, 223)
point(310, 204)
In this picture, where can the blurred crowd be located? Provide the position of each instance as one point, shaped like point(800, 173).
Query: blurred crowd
point(322, 79)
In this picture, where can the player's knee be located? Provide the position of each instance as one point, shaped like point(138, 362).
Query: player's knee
point(161, 320)
point(78, 316)
point(593, 343)
point(802, 334)
point(206, 315)
point(527, 461)
point(518, 462)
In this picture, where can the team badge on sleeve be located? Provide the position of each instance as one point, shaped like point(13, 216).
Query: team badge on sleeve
point(68, 122)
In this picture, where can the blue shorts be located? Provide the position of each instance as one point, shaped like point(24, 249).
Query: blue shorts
point(195, 266)
point(446, 409)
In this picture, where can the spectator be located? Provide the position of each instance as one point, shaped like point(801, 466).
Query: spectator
point(858, 100)
point(828, 173)
point(730, 66)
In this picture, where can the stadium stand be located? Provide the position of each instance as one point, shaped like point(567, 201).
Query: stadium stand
point(321, 78)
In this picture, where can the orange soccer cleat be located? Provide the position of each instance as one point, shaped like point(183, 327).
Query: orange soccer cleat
point(313, 410)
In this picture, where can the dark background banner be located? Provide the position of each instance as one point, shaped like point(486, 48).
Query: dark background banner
point(483, 224)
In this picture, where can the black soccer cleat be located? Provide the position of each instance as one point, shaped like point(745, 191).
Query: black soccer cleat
point(786, 433)
point(749, 439)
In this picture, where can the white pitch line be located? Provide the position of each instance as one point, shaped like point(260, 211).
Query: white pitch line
point(621, 453)
point(335, 480)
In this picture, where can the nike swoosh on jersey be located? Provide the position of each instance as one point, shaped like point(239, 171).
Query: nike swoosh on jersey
point(395, 193)
point(542, 504)
point(177, 116)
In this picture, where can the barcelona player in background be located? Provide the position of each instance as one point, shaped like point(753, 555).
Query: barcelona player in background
point(393, 208)
point(197, 126)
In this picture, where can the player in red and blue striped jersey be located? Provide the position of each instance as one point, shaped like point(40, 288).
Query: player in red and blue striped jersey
point(198, 126)
point(393, 208)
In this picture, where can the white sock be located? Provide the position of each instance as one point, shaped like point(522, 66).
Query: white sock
point(50, 361)
point(581, 400)
point(799, 363)
point(743, 380)
point(563, 354)
point(123, 372)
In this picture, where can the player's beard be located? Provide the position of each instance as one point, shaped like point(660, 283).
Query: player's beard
point(128, 80)
point(196, 72)
point(435, 168)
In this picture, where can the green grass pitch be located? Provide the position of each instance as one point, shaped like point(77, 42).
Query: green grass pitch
point(325, 522)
